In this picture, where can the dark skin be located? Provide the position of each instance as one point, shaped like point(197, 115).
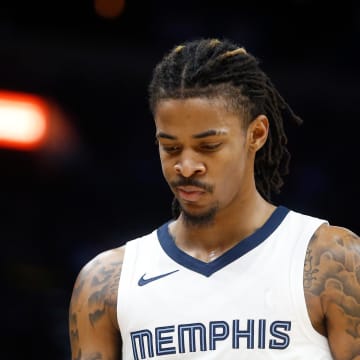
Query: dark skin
point(94, 330)
point(332, 263)
point(332, 289)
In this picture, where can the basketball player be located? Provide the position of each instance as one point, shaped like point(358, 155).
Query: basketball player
point(233, 275)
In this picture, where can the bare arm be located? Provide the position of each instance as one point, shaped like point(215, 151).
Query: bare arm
point(93, 328)
point(332, 289)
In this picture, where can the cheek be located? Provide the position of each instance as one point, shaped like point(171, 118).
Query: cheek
point(233, 163)
point(165, 167)
point(232, 175)
point(230, 179)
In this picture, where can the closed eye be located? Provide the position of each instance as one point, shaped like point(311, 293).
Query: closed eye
point(171, 149)
point(210, 146)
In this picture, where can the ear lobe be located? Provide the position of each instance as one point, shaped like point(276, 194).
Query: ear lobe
point(258, 131)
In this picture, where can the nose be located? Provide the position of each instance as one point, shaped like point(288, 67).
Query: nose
point(188, 167)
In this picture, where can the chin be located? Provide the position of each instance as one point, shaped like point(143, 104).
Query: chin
point(199, 218)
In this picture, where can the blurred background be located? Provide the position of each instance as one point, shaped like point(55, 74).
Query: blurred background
point(95, 180)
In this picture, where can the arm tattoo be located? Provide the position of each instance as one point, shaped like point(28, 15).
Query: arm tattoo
point(332, 273)
point(77, 290)
point(74, 333)
point(101, 281)
point(104, 285)
point(309, 270)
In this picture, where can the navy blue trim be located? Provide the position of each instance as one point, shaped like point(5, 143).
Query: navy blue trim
point(243, 247)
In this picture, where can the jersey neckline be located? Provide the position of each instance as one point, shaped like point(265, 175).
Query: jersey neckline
point(240, 249)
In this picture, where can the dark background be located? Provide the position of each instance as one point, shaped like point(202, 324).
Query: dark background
point(102, 185)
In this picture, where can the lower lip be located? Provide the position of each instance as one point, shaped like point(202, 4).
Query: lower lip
point(191, 196)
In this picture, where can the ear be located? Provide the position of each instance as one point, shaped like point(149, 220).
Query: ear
point(257, 132)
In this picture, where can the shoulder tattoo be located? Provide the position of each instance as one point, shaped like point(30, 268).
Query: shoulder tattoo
point(332, 274)
point(95, 291)
point(104, 286)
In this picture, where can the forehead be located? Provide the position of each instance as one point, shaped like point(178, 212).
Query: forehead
point(195, 115)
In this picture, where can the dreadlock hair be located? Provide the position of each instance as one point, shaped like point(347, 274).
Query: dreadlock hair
point(210, 68)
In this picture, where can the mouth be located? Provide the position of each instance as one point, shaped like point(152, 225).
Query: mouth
point(190, 193)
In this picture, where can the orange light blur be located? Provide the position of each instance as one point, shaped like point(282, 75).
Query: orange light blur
point(23, 120)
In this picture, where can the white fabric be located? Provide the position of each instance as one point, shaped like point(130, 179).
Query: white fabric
point(247, 304)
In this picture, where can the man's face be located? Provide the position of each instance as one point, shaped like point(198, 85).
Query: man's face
point(204, 155)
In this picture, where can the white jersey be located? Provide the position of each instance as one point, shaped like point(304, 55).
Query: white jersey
point(248, 304)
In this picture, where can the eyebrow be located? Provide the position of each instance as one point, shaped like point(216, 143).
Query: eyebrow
point(210, 132)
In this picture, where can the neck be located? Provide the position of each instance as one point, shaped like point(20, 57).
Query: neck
point(210, 241)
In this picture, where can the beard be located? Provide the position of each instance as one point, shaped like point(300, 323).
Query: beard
point(204, 219)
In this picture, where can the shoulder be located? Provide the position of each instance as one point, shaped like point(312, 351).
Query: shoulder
point(96, 284)
point(332, 278)
point(102, 272)
point(334, 251)
point(105, 263)
point(335, 256)
point(331, 243)
point(93, 325)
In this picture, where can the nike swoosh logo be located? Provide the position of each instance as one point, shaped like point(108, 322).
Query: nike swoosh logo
point(143, 281)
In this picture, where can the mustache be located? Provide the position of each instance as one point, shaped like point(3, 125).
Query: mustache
point(182, 181)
